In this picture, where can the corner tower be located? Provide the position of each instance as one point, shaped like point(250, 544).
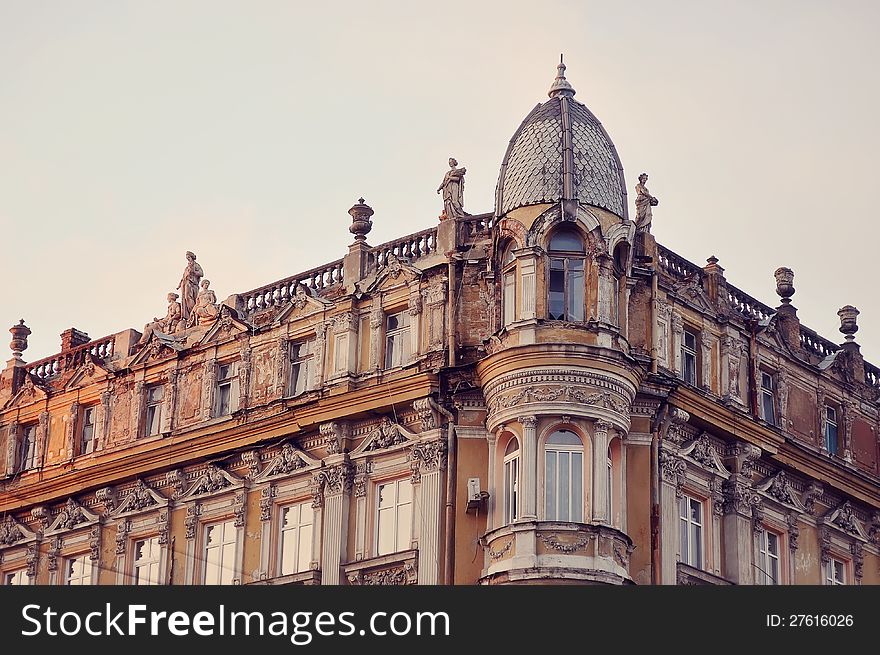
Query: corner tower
point(559, 380)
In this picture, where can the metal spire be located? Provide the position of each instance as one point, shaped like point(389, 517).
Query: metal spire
point(560, 86)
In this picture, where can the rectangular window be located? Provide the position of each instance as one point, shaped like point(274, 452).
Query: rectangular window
point(87, 431)
point(563, 484)
point(566, 289)
point(147, 554)
point(511, 466)
point(509, 298)
point(219, 553)
point(226, 376)
point(78, 570)
point(16, 578)
point(768, 558)
point(394, 517)
point(835, 572)
point(301, 357)
point(397, 340)
point(768, 398)
point(831, 442)
point(28, 447)
point(153, 422)
point(296, 538)
point(691, 531)
point(689, 357)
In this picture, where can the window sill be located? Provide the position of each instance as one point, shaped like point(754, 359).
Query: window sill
point(305, 578)
point(691, 576)
point(393, 569)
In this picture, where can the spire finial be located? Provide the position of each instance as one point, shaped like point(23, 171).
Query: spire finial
point(560, 84)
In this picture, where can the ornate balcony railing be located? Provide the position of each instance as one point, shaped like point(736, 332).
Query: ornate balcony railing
point(49, 367)
point(278, 293)
point(819, 346)
point(675, 265)
point(411, 247)
point(746, 305)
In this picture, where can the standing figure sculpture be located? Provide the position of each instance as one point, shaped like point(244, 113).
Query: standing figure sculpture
point(189, 285)
point(167, 325)
point(644, 202)
point(452, 188)
point(206, 309)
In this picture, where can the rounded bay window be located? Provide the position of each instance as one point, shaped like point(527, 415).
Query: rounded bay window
point(565, 275)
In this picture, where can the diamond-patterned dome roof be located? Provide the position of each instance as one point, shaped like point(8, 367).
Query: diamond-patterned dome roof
point(561, 151)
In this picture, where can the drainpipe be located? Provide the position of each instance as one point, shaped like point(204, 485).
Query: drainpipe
point(450, 310)
point(753, 368)
point(449, 536)
point(656, 428)
point(654, 353)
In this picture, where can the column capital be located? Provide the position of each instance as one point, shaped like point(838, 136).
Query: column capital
point(528, 422)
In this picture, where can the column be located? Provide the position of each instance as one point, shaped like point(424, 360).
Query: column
point(672, 472)
point(377, 319)
point(736, 526)
point(677, 330)
point(606, 288)
point(415, 321)
point(337, 480)
point(494, 490)
point(600, 471)
point(706, 341)
point(528, 495)
point(429, 461)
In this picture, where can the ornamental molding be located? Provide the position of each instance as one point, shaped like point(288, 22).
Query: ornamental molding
point(553, 542)
point(672, 469)
point(332, 480)
point(562, 376)
point(139, 498)
point(426, 457)
point(72, 515)
point(740, 498)
point(559, 393)
point(404, 574)
point(211, 480)
point(843, 519)
point(387, 434)
point(426, 414)
point(778, 488)
point(289, 459)
point(703, 452)
point(12, 532)
point(333, 436)
point(808, 499)
point(498, 554)
point(267, 496)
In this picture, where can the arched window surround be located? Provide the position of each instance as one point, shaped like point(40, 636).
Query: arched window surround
point(586, 469)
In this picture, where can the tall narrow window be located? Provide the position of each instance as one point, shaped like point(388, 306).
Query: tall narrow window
point(768, 558)
point(566, 276)
point(835, 572)
point(691, 531)
point(17, 578)
point(508, 285)
point(394, 516)
point(615, 299)
point(397, 340)
point(689, 357)
point(300, 366)
point(609, 487)
point(296, 538)
point(226, 377)
point(153, 422)
point(511, 480)
point(219, 553)
point(147, 554)
point(768, 398)
point(28, 447)
point(87, 431)
point(831, 442)
point(78, 570)
point(564, 477)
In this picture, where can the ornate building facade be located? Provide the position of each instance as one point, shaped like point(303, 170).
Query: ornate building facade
point(537, 394)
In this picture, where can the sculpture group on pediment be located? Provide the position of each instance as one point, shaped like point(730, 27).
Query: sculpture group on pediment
point(171, 323)
point(206, 309)
point(386, 435)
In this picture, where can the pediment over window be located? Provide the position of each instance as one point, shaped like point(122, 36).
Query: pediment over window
point(138, 499)
point(72, 515)
point(159, 346)
point(778, 488)
point(12, 532)
point(226, 327)
point(211, 480)
point(303, 303)
point(703, 452)
point(691, 292)
point(287, 460)
point(386, 436)
point(92, 370)
point(844, 519)
point(395, 272)
point(29, 393)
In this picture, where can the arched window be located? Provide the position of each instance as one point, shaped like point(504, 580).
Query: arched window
point(566, 279)
point(508, 285)
point(511, 480)
point(564, 477)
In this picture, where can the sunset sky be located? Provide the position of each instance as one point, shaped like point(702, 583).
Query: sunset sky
point(131, 132)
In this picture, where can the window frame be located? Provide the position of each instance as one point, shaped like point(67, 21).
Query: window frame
point(16, 574)
point(569, 449)
point(303, 364)
point(399, 337)
point(158, 561)
point(766, 557)
point(83, 446)
point(510, 496)
point(508, 286)
point(684, 546)
point(87, 575)
point(28, 447)
point(768, 394)
point(156, 406)
point(229, 523)
point(567, 257)
point(297, 529)
point(228, 382)
point(395, 507)
point(688, 352)
point(829, 422)
point(829, 572)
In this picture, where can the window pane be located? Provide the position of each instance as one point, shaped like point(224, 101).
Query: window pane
point(404, 526)
point(563, 491)
point(386, 531)
point(564, 438)
point(576, 290)
point(225, 391)
point(689, 368)
point(769, 414)
point(557, 289)
point(509, 298)
point(566, 240)
point(577, 487)
point(550, 485)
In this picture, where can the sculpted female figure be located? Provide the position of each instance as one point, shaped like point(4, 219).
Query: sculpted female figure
point(206, 309)
point(453, 190)
point(644, 202)
point(189, 285)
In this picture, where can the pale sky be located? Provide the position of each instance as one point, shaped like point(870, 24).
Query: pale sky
point(131, 132)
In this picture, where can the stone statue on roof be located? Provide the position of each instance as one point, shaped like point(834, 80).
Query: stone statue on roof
point(644, 202)
point(169, 324)
point(189, 284)
point(452, 188)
